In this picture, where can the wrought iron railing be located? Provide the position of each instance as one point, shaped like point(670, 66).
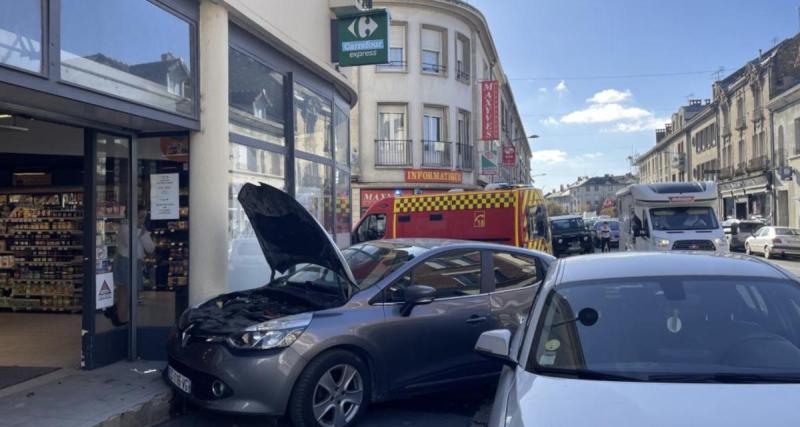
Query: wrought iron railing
point(393, 152)
point(436, 153)
point(465, 155)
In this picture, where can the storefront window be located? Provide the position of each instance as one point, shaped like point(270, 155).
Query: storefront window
point(21, 34)
point(343, 209)
point(342, 135)
point(256, 99)
point(132, 49)
point(247, 267)
point(312, 121)
point(315, 191)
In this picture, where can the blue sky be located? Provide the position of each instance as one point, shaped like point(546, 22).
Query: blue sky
point(559, 53)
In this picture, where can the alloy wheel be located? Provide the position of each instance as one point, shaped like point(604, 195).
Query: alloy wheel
point(338, 395)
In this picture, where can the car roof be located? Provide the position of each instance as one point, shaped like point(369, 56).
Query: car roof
point(555, 218)
point(648, 264)
point(433, 244)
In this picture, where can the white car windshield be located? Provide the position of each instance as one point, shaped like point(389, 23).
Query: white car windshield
point(671, 329)
point(683, 218)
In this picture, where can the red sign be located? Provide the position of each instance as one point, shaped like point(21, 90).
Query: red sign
point(509, 155)
point(490, 106)
point(176, 149)
point(434, 175)
point(370, 197)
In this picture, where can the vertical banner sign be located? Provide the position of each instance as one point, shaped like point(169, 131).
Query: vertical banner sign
point(509, 155)
point(164, 201)
point(104, 290)
point(489, 110)
point(363, 38)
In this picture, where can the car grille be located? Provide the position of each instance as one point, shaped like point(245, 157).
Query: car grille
point(693, 245)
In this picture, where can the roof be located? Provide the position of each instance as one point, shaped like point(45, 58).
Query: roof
point(647, 264)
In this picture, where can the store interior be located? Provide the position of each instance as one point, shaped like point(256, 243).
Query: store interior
point(43, 240)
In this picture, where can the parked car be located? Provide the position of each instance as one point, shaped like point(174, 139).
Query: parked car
point(570, 235)
point(653, 339)
point(737, 231)
point(613, 224)
point(770, 241)
point(334, 332)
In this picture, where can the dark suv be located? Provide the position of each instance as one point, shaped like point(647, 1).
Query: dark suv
point(570, 235)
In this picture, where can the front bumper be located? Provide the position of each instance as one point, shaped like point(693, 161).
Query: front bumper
point(257, 383)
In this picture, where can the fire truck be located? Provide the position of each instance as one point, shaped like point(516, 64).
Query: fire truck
point(516, 217)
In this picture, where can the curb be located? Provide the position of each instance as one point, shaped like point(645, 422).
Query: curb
point(150, 413)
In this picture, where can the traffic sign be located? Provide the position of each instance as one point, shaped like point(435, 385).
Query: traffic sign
point(363, 38)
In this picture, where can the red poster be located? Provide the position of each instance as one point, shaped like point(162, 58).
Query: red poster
point(509, 155)
point(490, 129)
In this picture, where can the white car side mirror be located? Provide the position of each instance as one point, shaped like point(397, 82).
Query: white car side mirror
point(495, 344)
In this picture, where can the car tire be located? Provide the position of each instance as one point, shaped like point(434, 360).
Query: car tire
point(329, 390)
point(767, 255)
point(747, 250)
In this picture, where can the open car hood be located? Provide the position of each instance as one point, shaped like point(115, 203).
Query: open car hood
point(288, 234)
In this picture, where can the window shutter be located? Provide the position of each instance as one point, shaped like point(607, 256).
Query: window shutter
point(397, 38)
point(432, 40)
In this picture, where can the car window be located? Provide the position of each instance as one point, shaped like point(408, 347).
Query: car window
point(786, 231)
point(513, 271)
point(453, 274)
point(372, 228)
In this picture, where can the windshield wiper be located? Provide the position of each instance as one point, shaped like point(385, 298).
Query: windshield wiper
point(726, 377)
point(585, 374)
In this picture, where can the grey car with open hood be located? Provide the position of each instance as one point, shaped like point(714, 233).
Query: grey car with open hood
point(334, 330)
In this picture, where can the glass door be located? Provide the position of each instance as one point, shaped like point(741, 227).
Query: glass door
point(108, 311)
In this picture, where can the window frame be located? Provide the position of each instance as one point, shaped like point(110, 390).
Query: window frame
point(444, 57)
point(465, 75)
point(44, 44)
point(403, 67)
point(540, 272)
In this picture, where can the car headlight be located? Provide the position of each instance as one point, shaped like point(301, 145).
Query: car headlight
point(585, 238)
point(560, 240)
point(662, 243)
point(278, 333)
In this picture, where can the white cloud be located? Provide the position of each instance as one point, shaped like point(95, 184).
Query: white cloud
point(549, 156)
point(543, 89)
point(549, 121)
point(610, 96)
point(605, 113)
point(596, 155)
point(561, 87)
point(647, 124)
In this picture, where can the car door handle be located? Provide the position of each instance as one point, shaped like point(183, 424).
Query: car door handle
point(476, 319)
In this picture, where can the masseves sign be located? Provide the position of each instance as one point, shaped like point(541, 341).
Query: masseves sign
point(363, 39)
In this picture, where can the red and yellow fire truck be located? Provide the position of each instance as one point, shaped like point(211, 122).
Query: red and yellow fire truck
point(516, 217)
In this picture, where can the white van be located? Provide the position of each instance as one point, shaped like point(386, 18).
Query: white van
point(670, 216)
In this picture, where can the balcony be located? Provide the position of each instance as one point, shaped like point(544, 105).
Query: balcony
point(436, 154)
point(758, 164)
point(393, 152)
point(741, 169)
point(434, 68)
point(462, 72)
point(465, 156)
point(392, 66)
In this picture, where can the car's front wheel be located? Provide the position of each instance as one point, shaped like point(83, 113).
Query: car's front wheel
point(333, 391)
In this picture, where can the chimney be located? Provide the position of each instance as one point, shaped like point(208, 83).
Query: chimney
point(168, 56)
point(660, 134)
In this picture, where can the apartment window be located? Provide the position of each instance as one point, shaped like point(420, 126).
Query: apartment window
point(397, 48)
point(485, 74)
point(781, 148)
point(462, 58)
point(741, 151)
point(756, 103)
point(740, 115)
point(392, 148)
point(797, 136)
point(436, 151)
point(465, 147)
point(726, 119)
point(434, 54)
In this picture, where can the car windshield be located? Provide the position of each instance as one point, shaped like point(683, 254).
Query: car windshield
point(683, 218)
point(664, 329)
point(780, 231)
point(567, 224)
point(612, 225)
point(372, 261)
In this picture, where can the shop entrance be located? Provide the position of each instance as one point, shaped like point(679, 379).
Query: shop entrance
point(75, 289)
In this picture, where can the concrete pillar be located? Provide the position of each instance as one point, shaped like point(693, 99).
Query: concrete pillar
point(208, 171)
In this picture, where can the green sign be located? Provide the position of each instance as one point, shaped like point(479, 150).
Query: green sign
point(363, 38)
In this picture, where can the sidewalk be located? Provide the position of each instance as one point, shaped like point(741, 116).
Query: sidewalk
point(120, 395)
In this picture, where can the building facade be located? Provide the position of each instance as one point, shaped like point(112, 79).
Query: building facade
point(418, 119)
point(153, 122)
point(588, 195)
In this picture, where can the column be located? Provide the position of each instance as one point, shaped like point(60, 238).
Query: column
point(208, 171)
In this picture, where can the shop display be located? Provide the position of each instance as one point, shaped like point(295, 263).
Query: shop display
point(41, 251)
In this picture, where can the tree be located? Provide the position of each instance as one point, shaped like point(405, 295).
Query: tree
point(554, 209)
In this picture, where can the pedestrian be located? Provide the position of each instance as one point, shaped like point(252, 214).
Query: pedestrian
point(605, 237)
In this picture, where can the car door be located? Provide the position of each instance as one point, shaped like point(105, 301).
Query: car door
point(514, 279)
point(433, 345)
point(761, 239)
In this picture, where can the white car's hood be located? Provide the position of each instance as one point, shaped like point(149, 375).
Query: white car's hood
point(538, 401)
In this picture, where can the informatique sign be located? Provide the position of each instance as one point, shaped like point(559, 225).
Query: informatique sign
point(434, 175)
point(490, 103)
point(509, 155)
point(363, 38)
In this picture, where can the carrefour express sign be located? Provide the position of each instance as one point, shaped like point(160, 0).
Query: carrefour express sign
point(363, 38)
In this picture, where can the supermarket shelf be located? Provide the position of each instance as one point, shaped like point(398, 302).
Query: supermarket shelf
point(13, 232)
point(44, 281)
point(40, 219)
point(23, 248)
point(71, 309)
point(46, 263)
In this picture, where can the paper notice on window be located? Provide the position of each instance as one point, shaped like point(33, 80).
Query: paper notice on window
point(164, 197)
point(104, 290)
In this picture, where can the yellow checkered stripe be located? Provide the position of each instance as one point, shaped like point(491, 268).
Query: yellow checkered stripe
point(455, 202)
point(539, 245)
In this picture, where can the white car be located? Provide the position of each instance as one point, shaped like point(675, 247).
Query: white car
point(653, 339)
point(770, 241)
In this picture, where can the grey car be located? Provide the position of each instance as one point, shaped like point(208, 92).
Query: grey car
point(653, 339)
point(340, 329)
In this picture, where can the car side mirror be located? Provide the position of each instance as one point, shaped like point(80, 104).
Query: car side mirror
point(417, 295)
point(496, 344)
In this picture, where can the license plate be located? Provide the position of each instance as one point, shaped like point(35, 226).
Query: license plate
point(574, 244)
point(179, 380)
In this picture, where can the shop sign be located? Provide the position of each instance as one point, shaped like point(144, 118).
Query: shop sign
point(370, 197)
point(490, 121)
point(176, 149)
point(164, 196)
point(488, 163)
point(434, 176)
point(104, 290)
point(509, 155)
point(363, 38)
point(742, 184)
